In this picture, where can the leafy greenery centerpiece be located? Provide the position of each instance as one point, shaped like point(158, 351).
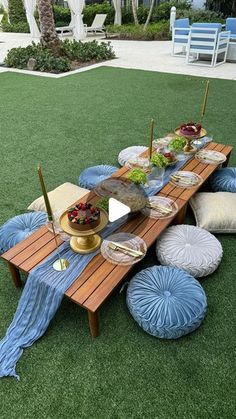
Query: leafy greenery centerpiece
point(138, 176)
point(159, 160)
point(159, 163)
point(177, 145)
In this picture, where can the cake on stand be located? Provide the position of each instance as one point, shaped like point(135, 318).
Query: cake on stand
point(189, 148)
point(84, 241)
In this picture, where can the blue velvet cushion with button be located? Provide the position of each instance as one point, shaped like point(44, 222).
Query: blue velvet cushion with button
point(20, 227)
point(166, 301)
point(224, 180)
point(92, 176)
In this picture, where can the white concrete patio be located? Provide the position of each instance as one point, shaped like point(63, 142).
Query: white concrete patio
point(150, 56)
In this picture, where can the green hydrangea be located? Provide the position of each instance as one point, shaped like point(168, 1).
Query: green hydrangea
point(159, 160)
point(177, 143)
point(103, 204)
point(137, 176)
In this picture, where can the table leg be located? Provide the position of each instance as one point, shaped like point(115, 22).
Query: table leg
point(180, 217)
point(225, 164)
point(93, 323)
point(15, 273)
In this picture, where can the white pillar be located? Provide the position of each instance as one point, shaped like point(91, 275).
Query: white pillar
point(172, 17)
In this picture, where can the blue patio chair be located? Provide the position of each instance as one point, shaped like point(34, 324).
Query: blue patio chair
point(180, 33)
point(207, 39)
point(231, 26)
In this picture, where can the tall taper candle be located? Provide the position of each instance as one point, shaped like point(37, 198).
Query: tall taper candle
point(151, 138)
point(205, 99)
point(45, 195)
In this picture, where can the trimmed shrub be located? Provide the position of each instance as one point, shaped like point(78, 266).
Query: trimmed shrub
point(87, 51)
point(154, 32)
point(21, 27)
point(16, 12)
point(71, 54)
point(200, 16)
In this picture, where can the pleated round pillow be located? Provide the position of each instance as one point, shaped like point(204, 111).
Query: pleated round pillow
point(18, 228)
point(166, 302)
point(92, 176)
point(190, 248)
point(224, 180)
point(130, 153)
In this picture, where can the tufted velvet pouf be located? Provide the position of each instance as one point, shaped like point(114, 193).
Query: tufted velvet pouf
point(130, 153)
point(92, 176)
point(20, 227)
point(166, 302)
point(190, 248)
point(224, 180)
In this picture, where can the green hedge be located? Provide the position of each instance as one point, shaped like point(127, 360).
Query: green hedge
point(154, 32)
point(21, 27)
point(16, 12)
point(200, 16)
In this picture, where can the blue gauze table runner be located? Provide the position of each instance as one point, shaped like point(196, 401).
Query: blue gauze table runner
point(43, 293)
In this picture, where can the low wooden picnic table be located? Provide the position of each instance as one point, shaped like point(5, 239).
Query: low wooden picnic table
point(94, 285)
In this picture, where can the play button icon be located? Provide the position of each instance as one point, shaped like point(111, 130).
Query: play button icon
point(117, 209)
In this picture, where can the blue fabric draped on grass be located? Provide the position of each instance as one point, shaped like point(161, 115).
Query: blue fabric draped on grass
point(43, 293)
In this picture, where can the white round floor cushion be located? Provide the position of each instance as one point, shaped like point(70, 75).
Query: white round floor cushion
point(129, 153)
point(190, 248)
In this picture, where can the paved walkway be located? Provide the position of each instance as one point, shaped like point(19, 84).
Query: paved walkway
point(151, 56)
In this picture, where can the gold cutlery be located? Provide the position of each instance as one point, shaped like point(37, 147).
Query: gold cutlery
point(184, 180)
point(204, 157)
point(124, 249)
point(158, 207)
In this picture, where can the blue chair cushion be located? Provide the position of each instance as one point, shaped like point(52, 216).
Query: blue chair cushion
point(231, 25)
point(92, 176)
point(224, 180)
point(20, 227)
point(206, 25)
point(166, 301)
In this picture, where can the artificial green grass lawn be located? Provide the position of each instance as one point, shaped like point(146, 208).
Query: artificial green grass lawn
point(67, 125)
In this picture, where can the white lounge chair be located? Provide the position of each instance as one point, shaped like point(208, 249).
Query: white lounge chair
point(65, 30)
point(97, 25)
point(207, 41)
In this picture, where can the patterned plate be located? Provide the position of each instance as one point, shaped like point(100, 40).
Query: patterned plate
point(164, 208)
point(185, 179)
point(116, 256)
point(140, 162)
point(210, 157)
point(124, 191)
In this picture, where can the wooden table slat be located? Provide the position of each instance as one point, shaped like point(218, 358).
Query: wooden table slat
point(24, 243)
point(38, 257)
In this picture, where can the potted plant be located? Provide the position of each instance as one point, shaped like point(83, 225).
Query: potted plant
point(177, 145)
point(138, 176)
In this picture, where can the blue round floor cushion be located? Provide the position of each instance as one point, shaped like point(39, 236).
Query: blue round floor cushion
point(166, 301)
point(20, 227)
point(92, 176)
point(224, 180)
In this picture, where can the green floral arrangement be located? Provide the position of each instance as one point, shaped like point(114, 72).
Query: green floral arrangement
point(177, 144)
point(103, 204)
point(159, 160)
point(137, 176)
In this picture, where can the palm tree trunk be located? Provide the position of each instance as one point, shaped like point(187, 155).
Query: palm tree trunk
point(49, 37)
point(134, 10)
point(149, 14)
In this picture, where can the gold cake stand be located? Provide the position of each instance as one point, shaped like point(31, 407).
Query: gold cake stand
point(189, 148)
point(84, 241)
